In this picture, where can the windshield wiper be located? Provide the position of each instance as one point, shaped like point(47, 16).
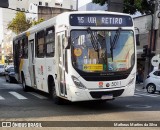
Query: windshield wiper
point(94, 41)
point(114, 42)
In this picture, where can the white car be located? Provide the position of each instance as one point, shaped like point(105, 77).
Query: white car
point(2, 70)
point(152, 83)
point(8, 66)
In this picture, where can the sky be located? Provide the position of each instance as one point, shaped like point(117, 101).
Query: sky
point(83, 2)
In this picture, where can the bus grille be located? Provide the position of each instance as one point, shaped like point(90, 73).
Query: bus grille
point(99, 94)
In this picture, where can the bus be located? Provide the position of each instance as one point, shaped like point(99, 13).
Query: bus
point(78, 56)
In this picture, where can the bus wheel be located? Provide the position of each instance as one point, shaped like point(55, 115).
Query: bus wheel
point(53, 95)
point(25, 87)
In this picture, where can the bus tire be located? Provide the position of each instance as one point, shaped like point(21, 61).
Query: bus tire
point(25, 87)
point(52, 92)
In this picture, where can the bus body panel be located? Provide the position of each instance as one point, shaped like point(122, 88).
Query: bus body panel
point(64, 72)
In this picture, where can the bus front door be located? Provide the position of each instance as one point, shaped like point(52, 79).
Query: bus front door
point(31, 63)
point(61, 65)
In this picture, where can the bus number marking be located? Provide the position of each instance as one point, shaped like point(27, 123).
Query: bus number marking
point(81, 19)
point(117, 83)
point(49, 68)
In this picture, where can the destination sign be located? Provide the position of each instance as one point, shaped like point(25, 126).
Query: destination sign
point(104, 20)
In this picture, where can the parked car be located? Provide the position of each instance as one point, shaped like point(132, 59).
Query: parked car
point(10, 75)
point(152, 83)
point(2, 69)
point(8, 66)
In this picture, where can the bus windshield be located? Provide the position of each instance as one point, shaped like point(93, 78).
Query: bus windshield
point(102, 51)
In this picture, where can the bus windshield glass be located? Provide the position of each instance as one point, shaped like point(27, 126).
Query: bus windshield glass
point(102, 51)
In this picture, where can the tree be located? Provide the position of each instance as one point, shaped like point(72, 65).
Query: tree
point(132, 6)
point(37, 22)
point(19, 23)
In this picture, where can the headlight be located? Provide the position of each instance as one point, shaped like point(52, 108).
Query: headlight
point(78, 83)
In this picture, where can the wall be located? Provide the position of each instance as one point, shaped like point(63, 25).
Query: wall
point(143, 23)
point(14, 4)
point(56, 3)
point(51, 11)
point(92, 7)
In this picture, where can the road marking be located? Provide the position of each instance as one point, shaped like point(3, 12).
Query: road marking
point(37, 95)
point(17, 95)
point(147, 95)
point(137, 95)
point(1, 98)
point(6, 84)
point(138, 106)
point(141, 90)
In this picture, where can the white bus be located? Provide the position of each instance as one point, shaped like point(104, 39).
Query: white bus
point(78, 56)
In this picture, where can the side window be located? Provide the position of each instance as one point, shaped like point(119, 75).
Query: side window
point(50, 42)
point(25, 51)
point(40, 44)
point(23, 47)
point(20, 48)
point(59, 50)
point(16, 55)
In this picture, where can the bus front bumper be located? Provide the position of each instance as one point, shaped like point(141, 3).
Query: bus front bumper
point(99, 94)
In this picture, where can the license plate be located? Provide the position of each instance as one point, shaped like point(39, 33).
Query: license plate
point(107, 97)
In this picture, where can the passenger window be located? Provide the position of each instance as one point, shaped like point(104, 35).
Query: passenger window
point(25, 47)
point(50, 42)
point(20, 42)
point(40, 44)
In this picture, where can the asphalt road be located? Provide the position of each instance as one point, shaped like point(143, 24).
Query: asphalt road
point(16, 105)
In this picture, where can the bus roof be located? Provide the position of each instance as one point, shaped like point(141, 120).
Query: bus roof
point(61, 19)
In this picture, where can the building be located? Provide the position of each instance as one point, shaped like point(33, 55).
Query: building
point(92, 7)
point(6, 48)
point(6, 15)
point(47, 10)
point(143, 29)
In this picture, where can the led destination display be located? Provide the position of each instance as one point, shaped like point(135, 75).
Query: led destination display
point(104, 20)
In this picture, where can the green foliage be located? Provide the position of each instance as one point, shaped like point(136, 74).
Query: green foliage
point(37, 22)
point(19, 23)
point(132, 6)
point(142, 6)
